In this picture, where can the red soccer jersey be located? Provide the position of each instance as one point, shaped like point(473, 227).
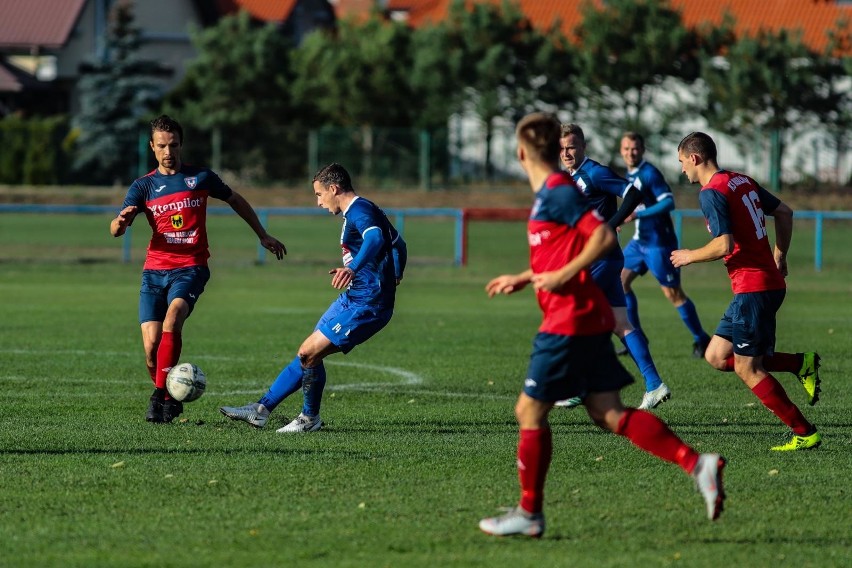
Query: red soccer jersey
point(559, 226)
point(734, 204)
point(176, 208)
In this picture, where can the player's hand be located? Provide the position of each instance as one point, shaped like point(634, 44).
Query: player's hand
point(126, 216)
point(505, 284)
point(341, 277)
point(274, 246)
point(548, 281)
point(781, 263)
point(680, 257)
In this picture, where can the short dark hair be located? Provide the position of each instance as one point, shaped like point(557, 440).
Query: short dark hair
point(571, 128)
point(539, 132)
point(698, 143)
point(334, 174)
point(635, 136)
point(165, 123)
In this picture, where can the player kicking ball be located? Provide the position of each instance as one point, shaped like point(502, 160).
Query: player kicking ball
point(572, 352)
point(374, 257)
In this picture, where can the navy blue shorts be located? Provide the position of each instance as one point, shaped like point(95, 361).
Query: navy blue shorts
point(563, 366)
point(607, 275)
point(641, 258)
point(160, 287)
point(749, 322)
point(347, 324)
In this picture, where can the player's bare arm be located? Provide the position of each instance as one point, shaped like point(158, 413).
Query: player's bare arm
point(242, 208)
point(125, 217)
point(508, 283)
point(719, 247)
point(601, 240)
point(783, 216)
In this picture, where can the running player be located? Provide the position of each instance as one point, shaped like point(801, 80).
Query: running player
point(735, 208)
point(653, 242)
point(374, 258)
point(603, 186)
point(573, 351)
point(174, 199)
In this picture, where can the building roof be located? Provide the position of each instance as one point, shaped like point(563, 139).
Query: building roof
point(265, 10)
point(28, 24)
point(813, 17)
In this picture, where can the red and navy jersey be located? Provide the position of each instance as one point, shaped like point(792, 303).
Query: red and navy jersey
point(560, 223)
point(734, 204)
point(176, 208)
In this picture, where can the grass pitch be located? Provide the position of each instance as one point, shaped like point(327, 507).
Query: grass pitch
point(420, 438)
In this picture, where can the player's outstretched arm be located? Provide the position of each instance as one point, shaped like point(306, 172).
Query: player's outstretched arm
point(631, 200)
point(125, 217)
point(508, 283)
point(721, 246)
point(242, 208)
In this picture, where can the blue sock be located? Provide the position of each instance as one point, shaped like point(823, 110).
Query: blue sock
point(638, 347)
point(689, 315)
point(313, 383)
point(633, 310)
point(288, 382)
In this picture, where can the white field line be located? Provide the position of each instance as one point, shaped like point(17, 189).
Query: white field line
point(403, 377)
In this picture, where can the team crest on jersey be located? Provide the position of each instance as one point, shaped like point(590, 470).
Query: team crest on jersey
point(177, 220)
point(191, 182)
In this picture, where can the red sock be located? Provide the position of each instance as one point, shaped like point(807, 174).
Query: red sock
point(153, 372)
point(535, 448)
point(772, 395)
point(167, 356)
point(652, 435)
point(729, 365)
point(787, 362)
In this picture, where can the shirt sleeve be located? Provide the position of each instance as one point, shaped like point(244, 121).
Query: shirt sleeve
point(218, 188)
point(715, 209)
point(610, 182)
point(768, 202)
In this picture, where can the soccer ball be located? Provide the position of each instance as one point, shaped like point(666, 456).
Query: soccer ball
point(186, 382)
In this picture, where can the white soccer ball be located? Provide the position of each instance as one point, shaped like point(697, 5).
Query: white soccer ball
point(186, 382)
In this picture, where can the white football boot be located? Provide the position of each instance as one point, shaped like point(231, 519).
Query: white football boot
point(253, 413)
point(302, 423)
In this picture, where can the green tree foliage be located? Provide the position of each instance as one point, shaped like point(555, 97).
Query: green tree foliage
point(357, 76)
point(116, 94)
point(506, 67)
point(768, 83)
point(633, 53)
point(238, 87)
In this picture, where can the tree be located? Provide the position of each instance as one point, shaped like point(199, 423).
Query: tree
point(508, 68)
point(358, 79)
point(116, 93)
point(764, 83)
point(238, 84)
point(635, 54)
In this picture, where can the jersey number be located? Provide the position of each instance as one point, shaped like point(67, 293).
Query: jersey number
point(757, 217)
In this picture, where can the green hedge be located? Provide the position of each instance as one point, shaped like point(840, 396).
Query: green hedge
point(32, 150)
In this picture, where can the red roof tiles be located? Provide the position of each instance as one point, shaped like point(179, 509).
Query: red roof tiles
point(30, 24)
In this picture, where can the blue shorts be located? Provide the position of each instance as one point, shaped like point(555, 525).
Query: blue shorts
point(641, 258)
point(749, 322)
point(160, 287)
point(563, 366)
point(607, 275)
point(347, 324)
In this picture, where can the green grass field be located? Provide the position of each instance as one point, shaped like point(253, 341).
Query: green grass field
point(420, 437)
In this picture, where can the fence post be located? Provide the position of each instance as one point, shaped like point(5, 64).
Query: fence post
point(425, 159)
point(818, 242)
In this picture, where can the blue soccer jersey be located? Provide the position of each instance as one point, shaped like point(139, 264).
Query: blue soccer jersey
point(652, 230)
point(602, 187)
point(375, 277)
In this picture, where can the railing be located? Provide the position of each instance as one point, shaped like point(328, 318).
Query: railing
point(461, 217)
